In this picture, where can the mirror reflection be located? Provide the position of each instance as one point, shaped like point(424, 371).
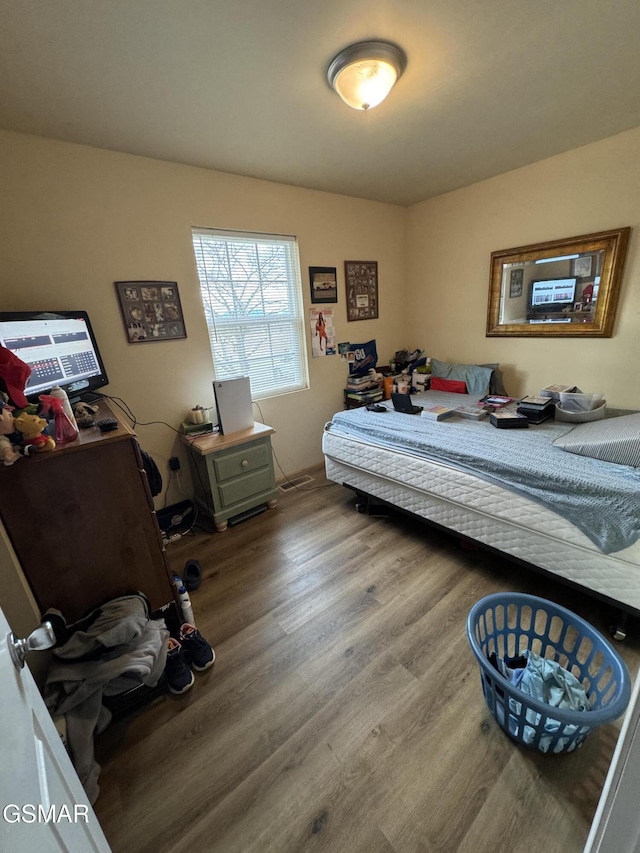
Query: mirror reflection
point(551, 290)
point(563, 287)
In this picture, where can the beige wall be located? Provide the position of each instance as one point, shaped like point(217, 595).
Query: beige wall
point(76, 219)
point(450, 240)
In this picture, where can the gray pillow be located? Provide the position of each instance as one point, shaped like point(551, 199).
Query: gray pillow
point(611, 440)
point(476, 378)
point(496, 385)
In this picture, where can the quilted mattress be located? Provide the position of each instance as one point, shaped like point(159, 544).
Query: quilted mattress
point(485, 512)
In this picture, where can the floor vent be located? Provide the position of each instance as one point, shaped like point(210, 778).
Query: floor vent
point(288, 485)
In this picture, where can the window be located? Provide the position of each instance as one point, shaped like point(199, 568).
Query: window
point(252, 296)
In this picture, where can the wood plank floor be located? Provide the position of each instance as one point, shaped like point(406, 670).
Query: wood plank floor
point(344, 711)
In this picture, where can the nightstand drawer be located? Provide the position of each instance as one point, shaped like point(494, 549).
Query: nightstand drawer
point(242, 461)
point(243, 488)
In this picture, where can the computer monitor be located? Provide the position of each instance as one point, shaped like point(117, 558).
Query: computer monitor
point(552, 294)
point(59, 347)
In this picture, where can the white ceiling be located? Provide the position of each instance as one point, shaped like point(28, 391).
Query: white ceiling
point(240, 85)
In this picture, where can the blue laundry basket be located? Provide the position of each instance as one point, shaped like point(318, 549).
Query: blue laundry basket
point(505, 624)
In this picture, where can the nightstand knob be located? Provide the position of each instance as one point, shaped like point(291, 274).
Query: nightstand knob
point(244, 463)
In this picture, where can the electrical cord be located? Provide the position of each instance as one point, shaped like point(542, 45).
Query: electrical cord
point(134, 420)
point(277, 461)
point(190, 439)
point(127, 411)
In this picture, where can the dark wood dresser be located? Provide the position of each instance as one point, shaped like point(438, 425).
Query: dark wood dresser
point(82, 523)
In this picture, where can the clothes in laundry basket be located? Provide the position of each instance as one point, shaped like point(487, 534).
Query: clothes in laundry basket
point(548, 682)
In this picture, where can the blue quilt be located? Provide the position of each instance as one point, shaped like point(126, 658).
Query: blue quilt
point(602, 499)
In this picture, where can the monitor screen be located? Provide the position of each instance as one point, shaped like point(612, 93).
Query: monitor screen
point(60, 349)
point(552, 292)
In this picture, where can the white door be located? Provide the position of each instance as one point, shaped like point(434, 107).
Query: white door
point(43, 806)
point(616, 825)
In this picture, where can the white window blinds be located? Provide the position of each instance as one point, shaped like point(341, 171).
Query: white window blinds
point(252, 297)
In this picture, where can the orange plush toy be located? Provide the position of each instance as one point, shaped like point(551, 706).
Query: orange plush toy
point(33, 439)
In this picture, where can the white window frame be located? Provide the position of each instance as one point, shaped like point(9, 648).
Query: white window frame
point(274, 298)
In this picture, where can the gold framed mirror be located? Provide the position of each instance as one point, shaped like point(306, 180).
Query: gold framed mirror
point(557, 289)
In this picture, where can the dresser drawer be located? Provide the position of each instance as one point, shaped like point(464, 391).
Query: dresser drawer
point(242, 461)
point(243, 488)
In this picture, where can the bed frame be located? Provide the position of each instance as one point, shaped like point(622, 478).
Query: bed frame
point(489, 515)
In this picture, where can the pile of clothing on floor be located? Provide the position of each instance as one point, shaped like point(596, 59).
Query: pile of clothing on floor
point(113, 650)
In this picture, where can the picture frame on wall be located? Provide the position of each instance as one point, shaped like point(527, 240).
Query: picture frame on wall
point(151, 311)
point(324, 284)
point(582, 266)
point(515, 283)
point(361, 281)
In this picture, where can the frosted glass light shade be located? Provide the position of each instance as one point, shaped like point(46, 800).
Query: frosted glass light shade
point(365, 84)
point(363, 74)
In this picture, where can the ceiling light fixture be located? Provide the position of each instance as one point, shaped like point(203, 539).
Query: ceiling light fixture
point(363, 74)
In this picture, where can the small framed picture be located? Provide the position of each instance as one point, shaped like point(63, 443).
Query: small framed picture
point(515, 283)
point(324, 284)
point(577, 306)
point(582, 266)
point(151, 311)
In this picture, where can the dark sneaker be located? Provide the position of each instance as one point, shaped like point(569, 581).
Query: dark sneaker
point(192, 575)
point(200, 654)
point(179, 676)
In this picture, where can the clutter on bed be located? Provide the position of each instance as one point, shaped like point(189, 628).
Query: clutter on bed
point(421, 372)
point(573, 417)
point(437, 413)
point(496, 401)
point(474, 413)
point(554, 391)
point(536, 409)
point(440, 474)
point(508, 420)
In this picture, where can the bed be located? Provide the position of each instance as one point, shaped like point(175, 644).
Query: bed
point(512, 490)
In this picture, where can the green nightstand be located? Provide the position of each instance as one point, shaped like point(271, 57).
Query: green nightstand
point(233, 474)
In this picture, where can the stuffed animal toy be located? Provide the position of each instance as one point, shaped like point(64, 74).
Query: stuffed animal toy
point(8, 452)
point(14, 374)
point(83, 413)
point(33, 440)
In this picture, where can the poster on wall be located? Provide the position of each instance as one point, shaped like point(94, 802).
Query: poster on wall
point(323, 339)
point(361, 279)
point(151, 310)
